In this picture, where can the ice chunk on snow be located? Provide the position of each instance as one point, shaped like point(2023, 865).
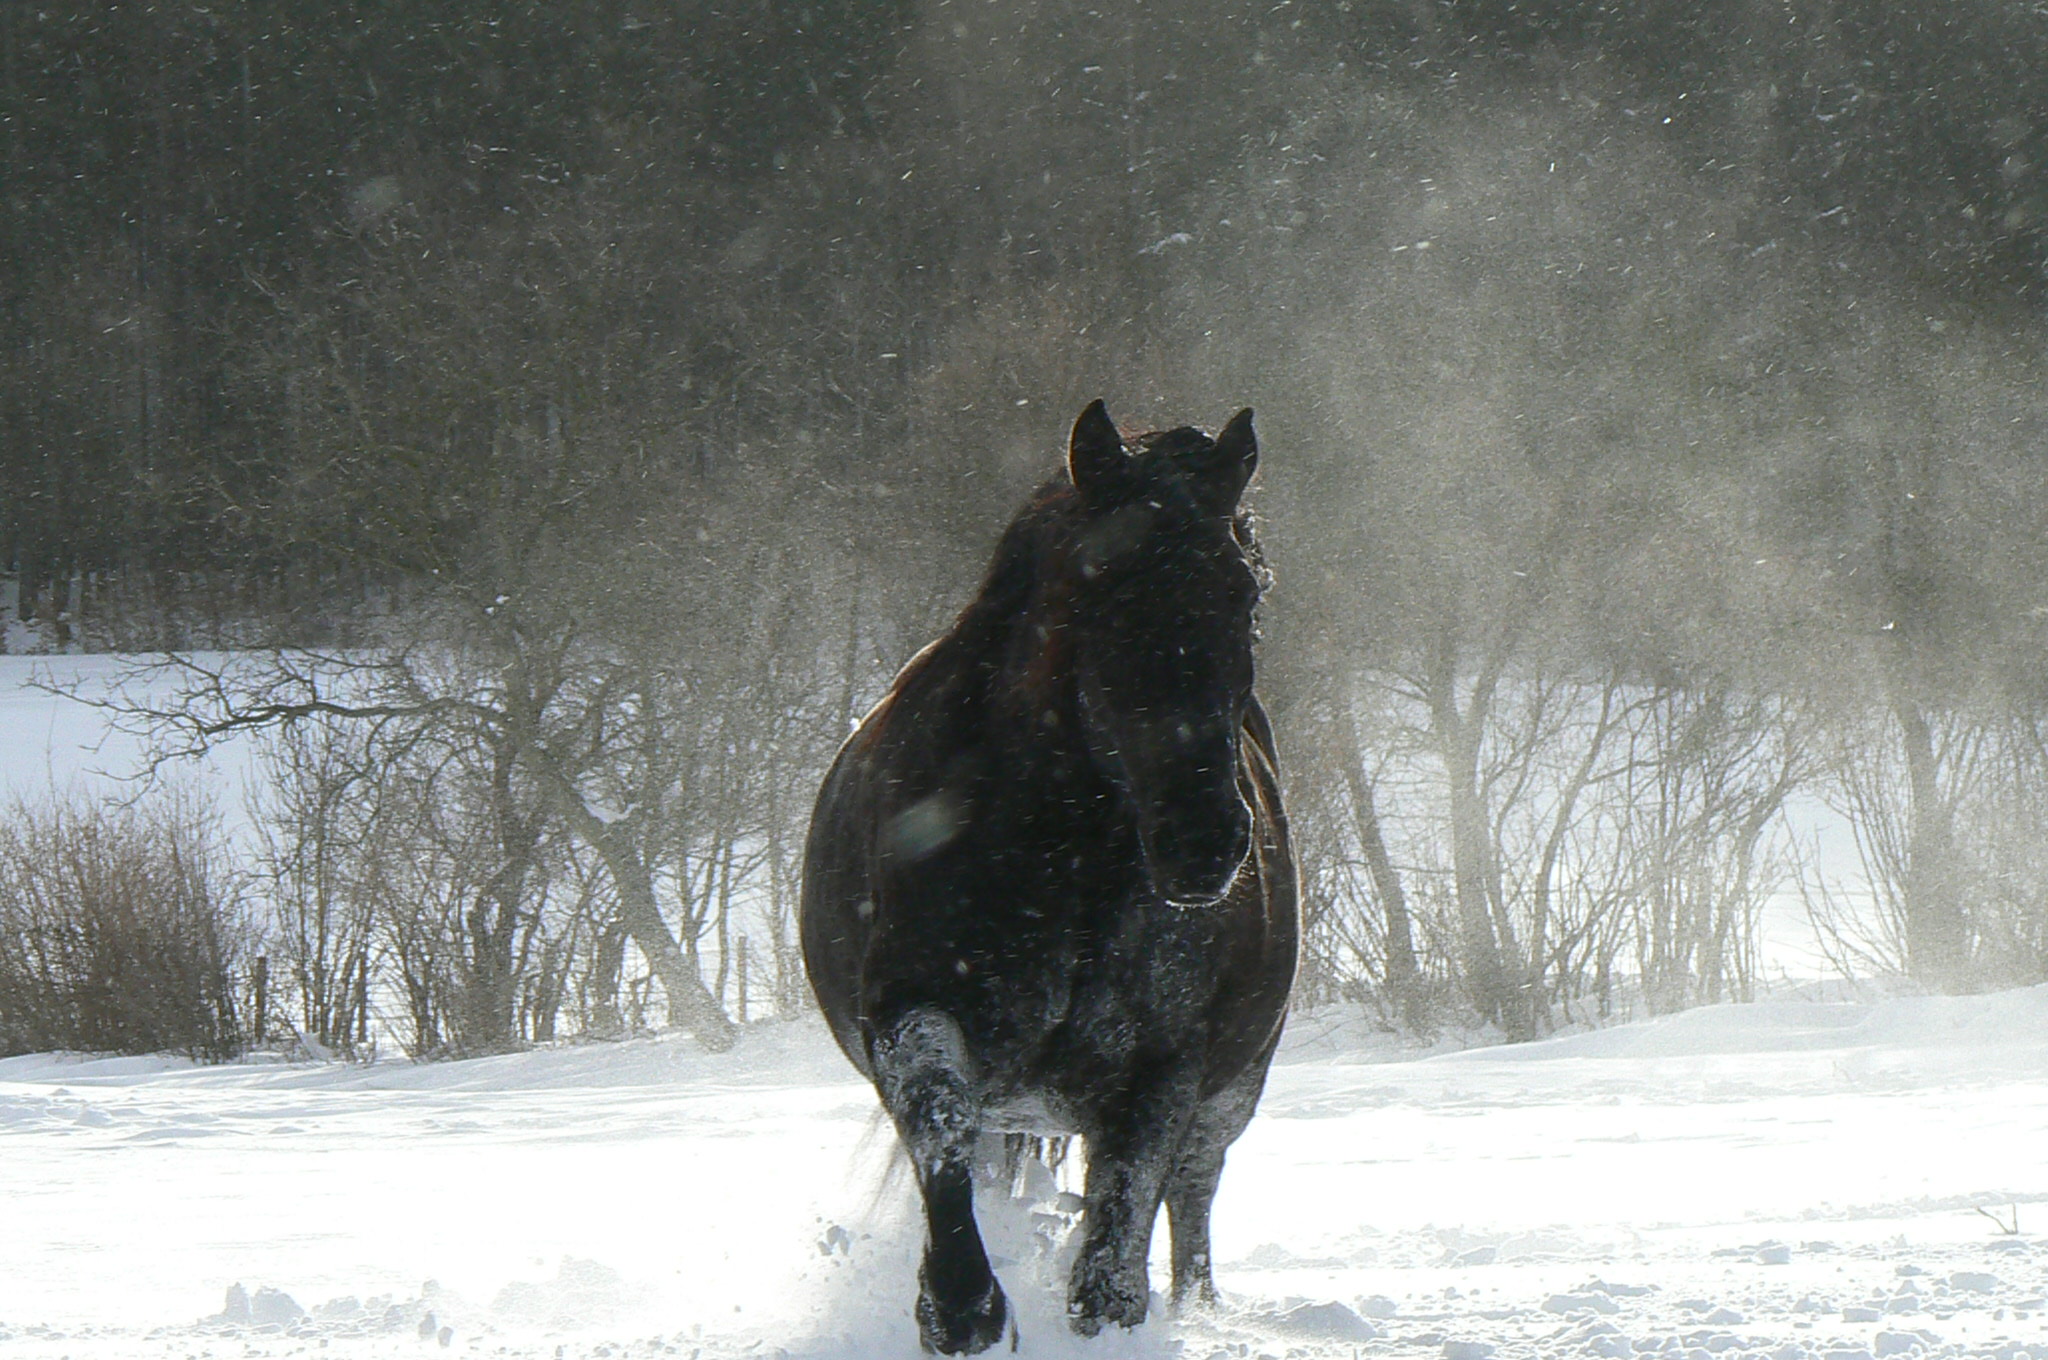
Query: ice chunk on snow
point(1327, 1322)
point(1618, 1291)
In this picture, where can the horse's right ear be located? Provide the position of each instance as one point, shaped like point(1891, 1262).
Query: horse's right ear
point(1095, 453)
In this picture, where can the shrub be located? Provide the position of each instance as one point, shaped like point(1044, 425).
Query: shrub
point(120, 931)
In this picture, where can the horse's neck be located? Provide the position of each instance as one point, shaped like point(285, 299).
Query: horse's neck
point(1002, 680)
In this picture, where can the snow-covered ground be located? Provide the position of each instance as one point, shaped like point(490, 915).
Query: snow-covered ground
point(1782, 1179)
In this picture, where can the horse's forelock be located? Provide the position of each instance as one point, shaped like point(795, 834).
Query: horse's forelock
point(1174, 443)
point(1032, 559)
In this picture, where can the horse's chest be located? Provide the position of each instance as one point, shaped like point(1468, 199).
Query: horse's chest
point(1075, 1030)
point(1114, 998)
point(1092, 946)
point(1125, 972)
point(1153, 960)
point(1041, 936)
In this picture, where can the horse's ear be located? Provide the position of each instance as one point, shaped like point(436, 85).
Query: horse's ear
point(1222, 470)
point(1095, 455)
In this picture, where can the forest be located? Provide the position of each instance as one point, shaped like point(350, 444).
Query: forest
point(544, 428)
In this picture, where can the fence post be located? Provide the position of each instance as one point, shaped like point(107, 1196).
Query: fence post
point(262, 982)
point(363, 1001)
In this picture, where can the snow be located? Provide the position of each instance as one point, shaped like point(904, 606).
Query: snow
point(1783, 1179)
point(49, 743)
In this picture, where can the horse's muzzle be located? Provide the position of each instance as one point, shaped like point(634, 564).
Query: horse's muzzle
point(1196, 868)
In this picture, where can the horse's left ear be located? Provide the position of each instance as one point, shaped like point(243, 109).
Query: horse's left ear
point(1096, 462)
point(1222, 470)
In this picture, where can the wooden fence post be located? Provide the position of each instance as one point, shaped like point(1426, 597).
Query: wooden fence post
point(262, 984)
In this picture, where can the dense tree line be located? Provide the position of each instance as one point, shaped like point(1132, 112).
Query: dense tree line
point(598, 400)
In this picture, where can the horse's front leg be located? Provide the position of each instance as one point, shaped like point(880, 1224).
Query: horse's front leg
point(921, 1072)
point(1131, 1153)
point(1191, 1189)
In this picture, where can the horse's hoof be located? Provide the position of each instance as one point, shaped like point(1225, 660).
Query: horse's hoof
point(969, 1331)
point(1103, 1302)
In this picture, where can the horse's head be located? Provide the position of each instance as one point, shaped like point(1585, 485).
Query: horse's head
point(1161, 589)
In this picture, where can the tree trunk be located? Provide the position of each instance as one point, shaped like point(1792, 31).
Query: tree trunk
point(1937, 940)
point(1493, 991)
point(1471, 857)
point(690, 1005)
point(1456, 732)
point(489, 1019)
point(1937, 937)
point(1535, 990)
point(605, 1019)
point(1402, 979)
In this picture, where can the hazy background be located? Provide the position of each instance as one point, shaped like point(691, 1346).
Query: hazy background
point(1651, 398)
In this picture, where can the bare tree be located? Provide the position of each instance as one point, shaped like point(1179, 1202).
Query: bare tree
point(314, 806)
point(1707, 792)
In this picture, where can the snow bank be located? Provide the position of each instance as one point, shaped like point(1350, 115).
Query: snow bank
point(2005, 1025)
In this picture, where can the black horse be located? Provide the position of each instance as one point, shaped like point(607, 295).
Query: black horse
point(1048, 886)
